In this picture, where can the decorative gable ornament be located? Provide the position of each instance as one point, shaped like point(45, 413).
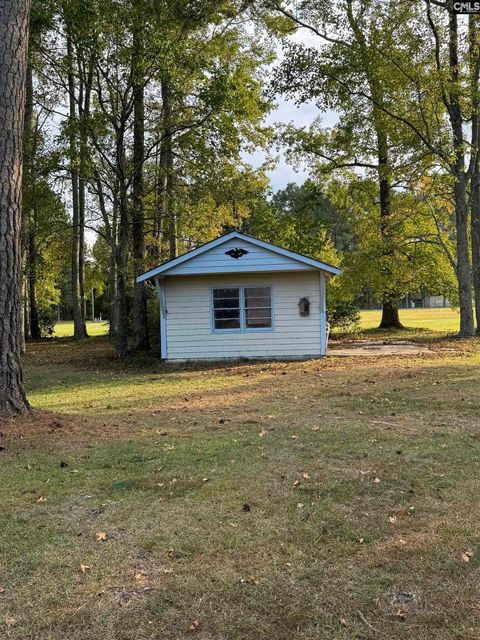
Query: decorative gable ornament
point(236, 253)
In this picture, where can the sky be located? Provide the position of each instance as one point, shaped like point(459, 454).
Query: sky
point(287, 112)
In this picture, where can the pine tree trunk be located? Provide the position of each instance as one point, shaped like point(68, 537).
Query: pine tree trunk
point(84, 113)
point(140, 341)
point(14, 18)
point(475, 239)
point(77, 305)
point(27, 177)
point(167, 149)
point(119, 303)
point(32, 279)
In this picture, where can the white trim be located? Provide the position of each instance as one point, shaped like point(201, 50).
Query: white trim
point(164, 268)
point(323, 315)
point(160, 286)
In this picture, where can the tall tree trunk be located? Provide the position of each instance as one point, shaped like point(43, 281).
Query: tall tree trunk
point(390, 316)
point(140, 341)
point(86, 76)
point(27, 186)
point(119, 302)
point(77, 302)
point(463, 270)
point(32, 277)
point(14, 18)
point(474, 61)
point(167, 149)
point(475, 238)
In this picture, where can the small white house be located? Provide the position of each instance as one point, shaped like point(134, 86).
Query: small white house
point(239, 297)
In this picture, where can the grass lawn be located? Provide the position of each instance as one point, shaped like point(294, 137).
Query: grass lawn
point(64, 329)
point(435, 320)
point(320, 500)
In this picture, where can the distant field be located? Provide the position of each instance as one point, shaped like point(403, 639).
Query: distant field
point(442, 320)
point(65, 329)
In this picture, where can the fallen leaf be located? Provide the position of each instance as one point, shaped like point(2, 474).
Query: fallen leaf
point(377, 480)
point(467, 555)
point(170, 553)
point(41, 499)
point(392, 519)
point(306, 476)
point(101, 536)
point(300, 505)
point(168, 571)
point(296, 483)
point(360, 540)
point(10, 621)
point(194, 626)
point(84, 567)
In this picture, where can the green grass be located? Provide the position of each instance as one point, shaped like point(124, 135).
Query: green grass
point(64, 329)
point(435, 320)
point(163, 459)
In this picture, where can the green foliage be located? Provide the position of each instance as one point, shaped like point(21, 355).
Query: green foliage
point(343, 314)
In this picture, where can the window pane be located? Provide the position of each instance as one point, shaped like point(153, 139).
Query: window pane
point(258, 318)
point(226, 293)
point(258, 308)
point(257, 297)
point(227, 319)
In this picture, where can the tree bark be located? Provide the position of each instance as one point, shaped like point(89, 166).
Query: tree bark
point(475, 239)
point(14, 19)
point(390, 318)
point(77, 302)
point(119, 302)
point(27, 185)
point(84, 101)
point(463, 270)
point(32, 277)
point(474, 55)
point(140, 341)
point(167, 165)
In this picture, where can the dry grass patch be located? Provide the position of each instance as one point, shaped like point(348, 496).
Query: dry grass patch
point(326, 499)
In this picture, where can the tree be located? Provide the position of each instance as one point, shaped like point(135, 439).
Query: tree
point(14, 20)
point(406, 73)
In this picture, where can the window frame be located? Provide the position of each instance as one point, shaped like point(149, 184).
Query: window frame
point(243, 315)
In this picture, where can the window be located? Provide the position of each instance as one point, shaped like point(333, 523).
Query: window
point(242, 308)
point(226, 309)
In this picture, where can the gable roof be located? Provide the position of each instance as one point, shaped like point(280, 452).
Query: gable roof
point(236, 235)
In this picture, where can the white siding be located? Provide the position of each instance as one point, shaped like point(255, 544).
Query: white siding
point(189, 322)
point(256, 260)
